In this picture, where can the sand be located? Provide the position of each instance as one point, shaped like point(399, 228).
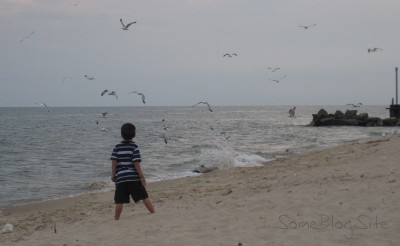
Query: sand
point(346, 195)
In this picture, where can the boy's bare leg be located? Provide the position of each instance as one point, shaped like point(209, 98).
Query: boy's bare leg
point(149, 205)
point(118, 210)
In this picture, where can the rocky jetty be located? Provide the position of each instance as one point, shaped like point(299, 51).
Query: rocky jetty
point(350, 118)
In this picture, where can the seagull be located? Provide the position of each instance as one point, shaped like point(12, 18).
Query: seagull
point(45, 105)
point(140, 94)
point(292, 112)
point(374, 49)
point(229, 55)
point(127, 26)
point(22, 40)
point(274, 69)
point(166, 126)
point(165, 138)
point(204, 102)
point(65, 78)
point(355, 105)
point(278, 80)
point(113, 93)
point(306, 27)
point(89, 77)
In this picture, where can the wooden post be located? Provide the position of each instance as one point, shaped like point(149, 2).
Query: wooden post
point(397, 69)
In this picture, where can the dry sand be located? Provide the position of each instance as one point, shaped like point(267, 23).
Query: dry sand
point(346, 195)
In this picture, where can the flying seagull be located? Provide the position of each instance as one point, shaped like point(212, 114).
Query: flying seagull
point(355, 105)
point(229, 55)
point(127, 26)
point(374, 49)
point(22, 40)
point(113, 93)
point(204, 102)
point(44, 105)
point(140, 94)
point(165, 138)
point(292, 112)
point(89, 77)
point(274, 69)
point(306, 27)
point(165, 125)
point(278, 80)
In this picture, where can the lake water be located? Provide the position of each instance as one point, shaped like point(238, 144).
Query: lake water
point(66, 151)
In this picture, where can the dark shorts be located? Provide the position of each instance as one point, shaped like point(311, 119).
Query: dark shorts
point(135, 189)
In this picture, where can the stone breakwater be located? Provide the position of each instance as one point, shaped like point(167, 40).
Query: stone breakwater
point(350, 118)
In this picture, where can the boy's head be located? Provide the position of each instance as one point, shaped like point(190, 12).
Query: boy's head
point(128, 131)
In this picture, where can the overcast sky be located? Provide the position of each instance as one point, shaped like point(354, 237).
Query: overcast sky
point(174, 53)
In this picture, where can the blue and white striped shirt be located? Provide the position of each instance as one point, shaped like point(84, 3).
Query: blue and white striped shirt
point(126, 153)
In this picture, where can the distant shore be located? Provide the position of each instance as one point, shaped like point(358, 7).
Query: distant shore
point(339, 196)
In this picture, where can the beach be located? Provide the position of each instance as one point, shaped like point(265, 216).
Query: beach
point(344, 195)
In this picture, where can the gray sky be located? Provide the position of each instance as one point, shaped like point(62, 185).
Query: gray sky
point(173, 54)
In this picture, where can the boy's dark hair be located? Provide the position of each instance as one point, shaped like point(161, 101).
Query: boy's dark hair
point(128, 131)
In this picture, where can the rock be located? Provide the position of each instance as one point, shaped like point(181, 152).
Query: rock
point(374, 121)
point(339, 114)
point(363, 116)
point(322, 113)
point(392, 121)
point(350, 114)
point(8, 228)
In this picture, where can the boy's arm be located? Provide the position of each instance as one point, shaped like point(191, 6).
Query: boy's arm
point(139, 170)
point(113, 169)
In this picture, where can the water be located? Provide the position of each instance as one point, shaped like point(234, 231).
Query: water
point(65, 152)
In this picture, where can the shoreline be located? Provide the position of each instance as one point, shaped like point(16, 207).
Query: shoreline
point(70, 196)
point(252, 205)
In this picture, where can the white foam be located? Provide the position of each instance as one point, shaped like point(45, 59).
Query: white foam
point(226, 157)
point(244, 160)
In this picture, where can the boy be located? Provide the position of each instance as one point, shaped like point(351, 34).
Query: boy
point(127, 173)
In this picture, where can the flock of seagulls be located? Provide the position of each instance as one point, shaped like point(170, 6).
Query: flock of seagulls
point(165, 126)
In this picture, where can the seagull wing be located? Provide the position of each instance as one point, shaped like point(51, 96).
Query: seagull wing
point(209, 107)
point(43, 104)
point(143, 98)
point(122, 23)
point(130, 24)
point(104, 92)
point(197, 104)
